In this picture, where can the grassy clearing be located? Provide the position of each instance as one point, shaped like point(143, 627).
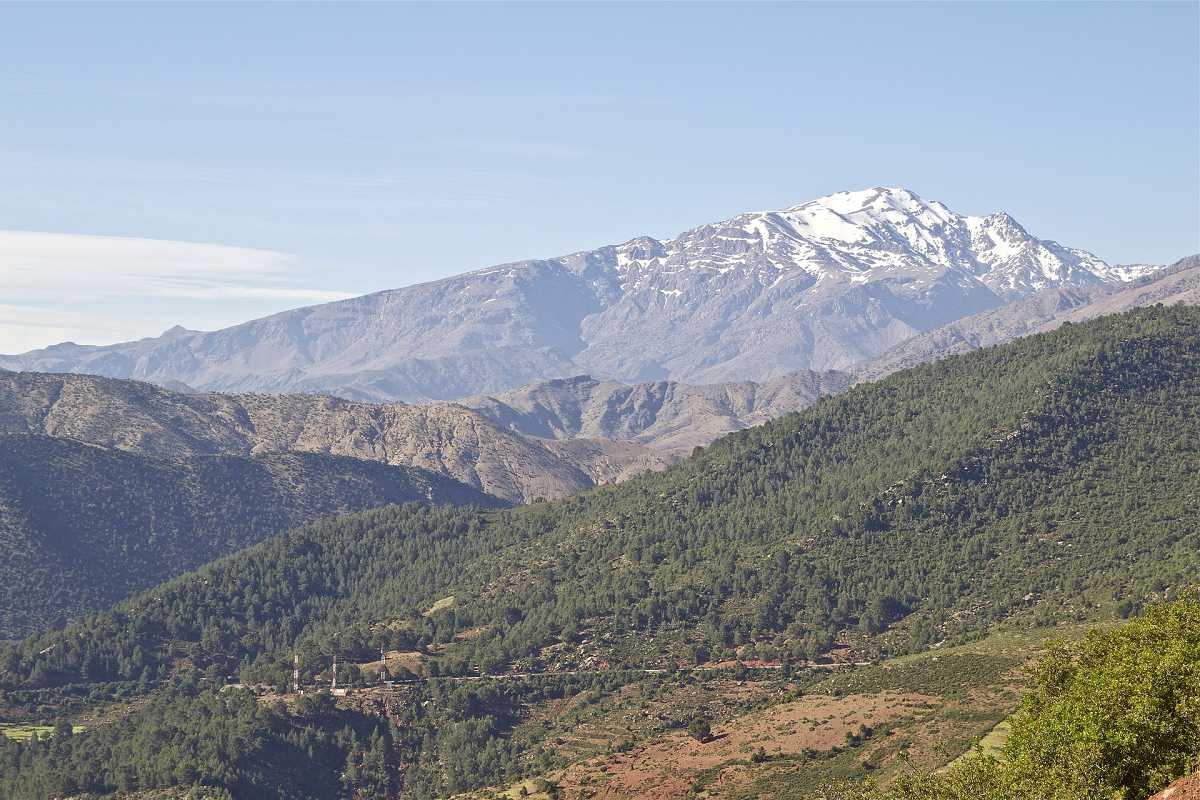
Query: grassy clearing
point(23, 733)
point(445, 602)
point(991, 743)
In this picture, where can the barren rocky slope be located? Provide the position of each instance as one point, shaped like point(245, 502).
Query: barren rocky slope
point(546, 440)
point(1183, 789)
point(445, 438)
point(667, 416)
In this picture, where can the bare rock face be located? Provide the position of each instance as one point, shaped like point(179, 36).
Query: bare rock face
point(1039, 312)
point(823, 285)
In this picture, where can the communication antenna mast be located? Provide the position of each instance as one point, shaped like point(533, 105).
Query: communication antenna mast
point(333, 687)
point(296, 673)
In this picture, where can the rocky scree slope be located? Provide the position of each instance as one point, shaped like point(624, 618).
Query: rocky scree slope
point(672, 418)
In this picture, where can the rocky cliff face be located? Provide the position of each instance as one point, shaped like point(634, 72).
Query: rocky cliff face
point(822, 285)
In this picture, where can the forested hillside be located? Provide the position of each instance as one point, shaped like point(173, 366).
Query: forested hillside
point(84, 526)
point(1052, 478)
point(1054, 475)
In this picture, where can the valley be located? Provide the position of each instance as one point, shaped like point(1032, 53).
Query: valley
point(544, 441)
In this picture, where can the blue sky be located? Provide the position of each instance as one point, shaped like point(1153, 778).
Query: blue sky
point(338, 149)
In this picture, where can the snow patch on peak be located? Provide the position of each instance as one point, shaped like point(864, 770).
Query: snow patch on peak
point(879, 198)
point(880, 233)
point(869, 214)
point(1127, 273)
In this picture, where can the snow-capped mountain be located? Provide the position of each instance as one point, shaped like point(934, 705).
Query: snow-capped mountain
point(822, 285)
point(875, 233)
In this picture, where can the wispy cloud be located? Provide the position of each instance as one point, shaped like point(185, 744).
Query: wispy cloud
point(100, 289)
point(119, 266)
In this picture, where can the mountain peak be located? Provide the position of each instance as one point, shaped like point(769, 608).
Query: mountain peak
point(853, 200)
point(876, 198)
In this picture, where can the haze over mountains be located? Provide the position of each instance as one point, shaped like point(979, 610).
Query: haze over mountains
point(827, 284)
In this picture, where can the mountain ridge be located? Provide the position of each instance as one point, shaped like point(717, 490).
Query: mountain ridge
point(667, 416)
point(509, 447)
point(446, 438)
point(821, 285)
point(1013, 488)
point(1010, 477)
point(1040, 312)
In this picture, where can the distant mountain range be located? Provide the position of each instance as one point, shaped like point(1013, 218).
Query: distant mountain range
point(1001, 485)
point(108, 485)
point(828, 284)
point(541, 441)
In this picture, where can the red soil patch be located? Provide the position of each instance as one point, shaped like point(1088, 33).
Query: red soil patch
point(1183, 789)
point(666, 768)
